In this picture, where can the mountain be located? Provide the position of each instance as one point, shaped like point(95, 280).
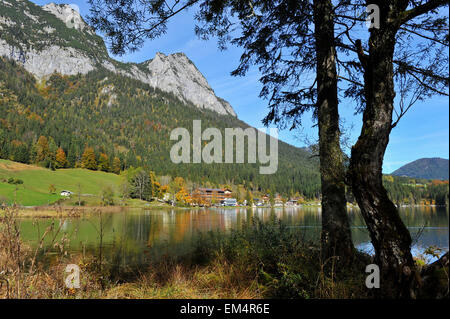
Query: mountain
point(429, 168)
point(55, 38)
point(60, 89)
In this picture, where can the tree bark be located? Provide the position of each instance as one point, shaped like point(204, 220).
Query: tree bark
point(336, 234)
point(390, 237)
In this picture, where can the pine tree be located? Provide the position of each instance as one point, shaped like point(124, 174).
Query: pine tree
point(52, 149)
point(116, 166)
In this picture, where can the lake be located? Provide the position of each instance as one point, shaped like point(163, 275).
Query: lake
point(136, 236)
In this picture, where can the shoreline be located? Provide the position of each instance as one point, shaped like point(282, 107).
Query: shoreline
point(75, 211)
point(79, 211)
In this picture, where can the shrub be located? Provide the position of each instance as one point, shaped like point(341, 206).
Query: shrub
point(285, 264)
point(15, 181)
point(107, 196)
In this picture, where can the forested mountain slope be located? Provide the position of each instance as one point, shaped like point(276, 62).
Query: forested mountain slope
point(125, 118)
point(61, 93)
point(431, 168)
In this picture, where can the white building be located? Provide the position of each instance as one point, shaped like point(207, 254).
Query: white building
point(66, 193)
point(229, 202)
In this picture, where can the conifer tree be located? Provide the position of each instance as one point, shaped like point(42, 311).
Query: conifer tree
point(116, 166)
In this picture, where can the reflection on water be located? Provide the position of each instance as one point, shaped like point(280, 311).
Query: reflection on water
point(135, 236)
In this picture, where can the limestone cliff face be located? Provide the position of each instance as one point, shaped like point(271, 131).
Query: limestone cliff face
point(177, 74)
point(51, 59)
point(69, 15)
point(55, 38)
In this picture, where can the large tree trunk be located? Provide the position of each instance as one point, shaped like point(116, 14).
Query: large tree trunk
point(336, 235)
point(390, 237)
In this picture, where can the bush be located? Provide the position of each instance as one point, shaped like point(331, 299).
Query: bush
point(285, 264)
point(15, 181)
point(107, 196)
point(81, 203)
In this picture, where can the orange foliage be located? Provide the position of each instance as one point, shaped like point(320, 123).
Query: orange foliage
point(438, 182)
point(88, 159)
point(16, 143)
point(61, 160)
point(34, 117)
point(42, 149)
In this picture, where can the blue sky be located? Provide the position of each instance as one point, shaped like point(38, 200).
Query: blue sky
point(423, 132)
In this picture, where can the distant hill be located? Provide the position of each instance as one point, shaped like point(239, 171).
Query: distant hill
point(430, 168)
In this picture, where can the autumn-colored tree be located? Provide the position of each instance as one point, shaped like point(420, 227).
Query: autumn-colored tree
point(182, 196)
point(177, 184)
point(188, 199)
point(88, 159)
point(388, 178)
point(163, 191)
point(103, 162)
point(157, 189)
point(116, 165)
point(154, 185)
point(42, 149)
point(438, 182)
point(61, 160)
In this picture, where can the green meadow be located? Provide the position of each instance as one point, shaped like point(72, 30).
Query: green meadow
point(37, 181)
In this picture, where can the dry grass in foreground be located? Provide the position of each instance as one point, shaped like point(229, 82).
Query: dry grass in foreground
point(215, 281)
point(262, 260)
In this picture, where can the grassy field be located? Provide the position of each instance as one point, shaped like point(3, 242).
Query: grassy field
point(36, 183)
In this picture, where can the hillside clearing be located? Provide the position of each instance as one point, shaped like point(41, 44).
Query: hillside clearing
point(35, 190)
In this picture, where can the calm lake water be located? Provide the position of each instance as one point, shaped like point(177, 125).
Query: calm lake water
point(133, 237)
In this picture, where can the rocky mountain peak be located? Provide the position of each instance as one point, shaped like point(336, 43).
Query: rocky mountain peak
point(177, 74)
point(69, 14)
point(69, 46)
